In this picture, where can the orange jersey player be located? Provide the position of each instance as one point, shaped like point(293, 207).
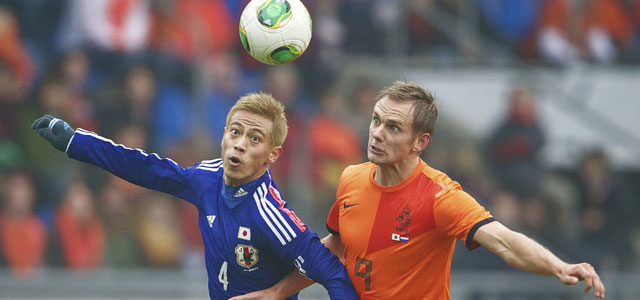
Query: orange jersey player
point(396, 219)
point(398, 235)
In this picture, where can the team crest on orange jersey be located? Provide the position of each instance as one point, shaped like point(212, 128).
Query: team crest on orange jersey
point(404, 220)
point(246, 256)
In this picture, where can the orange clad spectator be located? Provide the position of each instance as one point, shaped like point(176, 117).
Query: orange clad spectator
point(193, 28)
point(23, 237)
point(79, 228)
point(12, 52)
point(608, 29)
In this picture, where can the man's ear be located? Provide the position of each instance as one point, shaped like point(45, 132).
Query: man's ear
point(421, 142)
point(222, 139)
point(275, 153)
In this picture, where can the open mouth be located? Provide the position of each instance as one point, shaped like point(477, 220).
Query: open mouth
point(376, 150)
point(234, 161)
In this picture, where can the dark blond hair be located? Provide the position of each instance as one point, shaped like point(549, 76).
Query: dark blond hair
point(425, 108)
point(264, 104)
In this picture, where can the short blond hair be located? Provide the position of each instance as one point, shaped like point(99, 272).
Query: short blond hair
point(425, 108)
point(264, 104)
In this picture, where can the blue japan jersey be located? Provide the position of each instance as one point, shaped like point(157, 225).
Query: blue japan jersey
point(252, 238)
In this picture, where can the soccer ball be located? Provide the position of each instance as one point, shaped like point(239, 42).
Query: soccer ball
point(275, 31)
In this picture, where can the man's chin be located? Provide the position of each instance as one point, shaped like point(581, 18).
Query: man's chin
point(374, 158)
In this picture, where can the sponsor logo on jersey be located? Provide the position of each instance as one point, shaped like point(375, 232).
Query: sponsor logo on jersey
point(396, 237)
point(241, 192)
point(244, 233)
point(404, 219)
point(246, 256)
point(210, 219)
point(350, 205)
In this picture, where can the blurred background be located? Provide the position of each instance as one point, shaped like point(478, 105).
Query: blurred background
point(539, 122)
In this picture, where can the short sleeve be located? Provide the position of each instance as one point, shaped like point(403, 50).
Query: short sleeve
point(333, 223)
point(459, 215)
point(333, 220)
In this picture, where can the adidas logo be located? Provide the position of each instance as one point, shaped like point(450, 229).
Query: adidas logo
point(241, 192)
point(210, 219)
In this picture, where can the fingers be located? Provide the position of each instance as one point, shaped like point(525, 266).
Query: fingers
point(45, 133)
point(591, 279)
point(42, 122)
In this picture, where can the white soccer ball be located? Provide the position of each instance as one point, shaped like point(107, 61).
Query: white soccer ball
point(275, 31)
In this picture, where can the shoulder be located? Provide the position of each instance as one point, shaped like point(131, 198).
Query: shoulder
point(211, 167)
point(355, 172)
point(273, 215)
point(446, 184)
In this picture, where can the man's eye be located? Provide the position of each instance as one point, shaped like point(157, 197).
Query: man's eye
point(395, 128)
point(255, 139)
point(235, 131)
point(376, 121)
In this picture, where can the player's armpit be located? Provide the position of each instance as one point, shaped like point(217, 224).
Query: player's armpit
point(334, 243)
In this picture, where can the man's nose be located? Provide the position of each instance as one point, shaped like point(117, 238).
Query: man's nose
point(376, 132)
point(240, 145)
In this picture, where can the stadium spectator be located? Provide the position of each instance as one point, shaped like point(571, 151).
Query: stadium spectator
point(192, 29)
point(122, 248)
point(111, 25)
point(608, 30)
point(79, 230)
point(12, 51)
point(158, 231)
point(558, 32)
point(606, 209)
point(23, 236)
point(515, 145)
point(513, 23)
point(333, 145)
point(131, 102)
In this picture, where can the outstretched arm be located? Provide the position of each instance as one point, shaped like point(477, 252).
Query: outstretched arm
point(294, 282)
point(524, 253)
point(133, 165)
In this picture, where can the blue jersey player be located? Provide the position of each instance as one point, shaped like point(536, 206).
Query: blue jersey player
point(252, 238)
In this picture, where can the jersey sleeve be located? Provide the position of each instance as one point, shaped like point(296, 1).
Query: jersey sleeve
point(133, 165)
point(333, 219)
point(288, 237)
point(460, 215)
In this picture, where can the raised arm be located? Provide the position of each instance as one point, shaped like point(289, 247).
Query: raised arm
point(294, 282)
point(524, 253)
point(133, 165)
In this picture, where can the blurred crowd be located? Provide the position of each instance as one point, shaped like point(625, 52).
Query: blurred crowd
point(161, 76)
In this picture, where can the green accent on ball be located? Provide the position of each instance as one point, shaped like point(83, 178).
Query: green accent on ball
point(243, 39)
point(285, 54)
point(273, 12)
point(310, 22)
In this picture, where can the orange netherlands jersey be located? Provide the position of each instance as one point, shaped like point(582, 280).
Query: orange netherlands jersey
point(399, 240)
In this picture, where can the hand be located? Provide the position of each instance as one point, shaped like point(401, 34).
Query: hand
point(54, 130)
point(572, 274)
point(258, 295)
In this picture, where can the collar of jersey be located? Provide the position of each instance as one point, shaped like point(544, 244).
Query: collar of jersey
point(399, 185)
point(228, 191)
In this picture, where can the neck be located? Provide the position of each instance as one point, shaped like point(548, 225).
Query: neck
point(238, 182)
point(387, 175)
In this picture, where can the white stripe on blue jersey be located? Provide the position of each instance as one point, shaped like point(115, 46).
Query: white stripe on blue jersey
point(210, 165)
point(277, 212)
point(266, 219)
point(263, 201)
point(93, 134)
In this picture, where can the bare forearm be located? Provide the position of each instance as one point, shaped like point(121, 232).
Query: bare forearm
point(528, 255)
point(291, 284)
point(524, 253)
